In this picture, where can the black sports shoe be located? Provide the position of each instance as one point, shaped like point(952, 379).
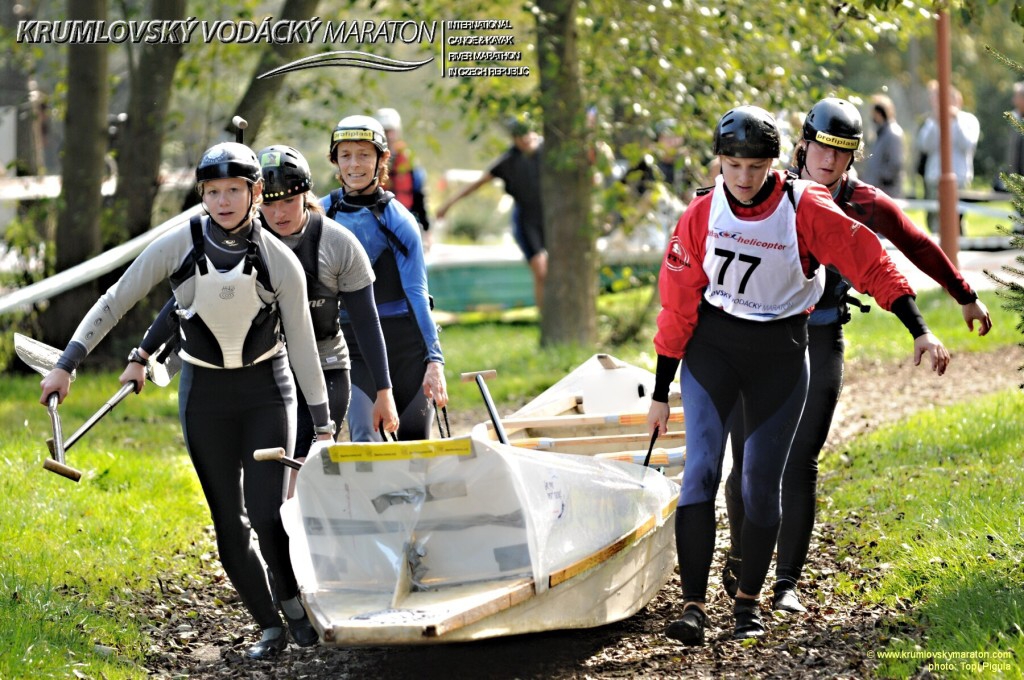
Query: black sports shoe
point(268, 648)
point(748, 620)
point(731, 575)
point(690, 629)
point(302, 631)
point(786, 600)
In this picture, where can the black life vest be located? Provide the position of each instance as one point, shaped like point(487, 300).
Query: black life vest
point(323, 303)
point(387, 286)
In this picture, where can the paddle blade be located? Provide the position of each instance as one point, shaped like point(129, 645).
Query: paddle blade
point(39, 356)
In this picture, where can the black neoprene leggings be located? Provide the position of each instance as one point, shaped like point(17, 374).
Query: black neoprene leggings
point(765, 364)
point(339, 392)
point(226, 414)
point(800, 480)
point(407, 365)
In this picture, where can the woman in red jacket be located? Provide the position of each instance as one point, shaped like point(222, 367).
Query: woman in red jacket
point(832, 134)
point(739, 276)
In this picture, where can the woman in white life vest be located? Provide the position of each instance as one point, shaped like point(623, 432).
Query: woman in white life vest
point(739, 276)
point(238, 292)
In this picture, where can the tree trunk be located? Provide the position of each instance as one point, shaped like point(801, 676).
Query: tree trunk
point(570, 296)
point(260, 94)
point(85, 145)
point(139, 146)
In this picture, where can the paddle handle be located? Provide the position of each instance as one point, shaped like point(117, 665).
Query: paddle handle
point(57, 450)
point(654, 438)
point(492, 410)
point(471, 375)
point(62, 470)
point(126, 389)
point(276, 453)
point(239, 124)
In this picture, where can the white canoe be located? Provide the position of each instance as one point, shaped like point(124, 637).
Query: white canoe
point(464, 539)
point(598, 409)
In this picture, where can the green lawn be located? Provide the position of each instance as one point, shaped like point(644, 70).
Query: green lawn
point(975, 225)
point(930, 510)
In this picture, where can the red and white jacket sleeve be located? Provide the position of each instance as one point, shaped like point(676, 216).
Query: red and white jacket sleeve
point(682, 280)
point(834, 238)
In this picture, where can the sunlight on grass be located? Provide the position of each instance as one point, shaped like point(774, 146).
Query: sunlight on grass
point(940, 532)
point(975, 225)
point(880, 336)
point(74, 555)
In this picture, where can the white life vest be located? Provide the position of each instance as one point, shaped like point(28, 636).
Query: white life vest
point(753, 266)
point(232, 326)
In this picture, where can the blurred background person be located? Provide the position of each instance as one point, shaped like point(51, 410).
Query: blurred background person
point(406, 178)
point(965, 130)
point(885, 161)
point(519, 169)
point(1014, 141)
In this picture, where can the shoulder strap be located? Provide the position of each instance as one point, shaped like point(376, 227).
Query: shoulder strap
point(846, 196)
point(787, 184)
point(383, 198)
point(195, 225)
point(253, 258)
point(335, 203)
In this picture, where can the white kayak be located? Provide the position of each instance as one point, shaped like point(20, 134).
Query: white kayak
point(463, 539)
point(598, 409)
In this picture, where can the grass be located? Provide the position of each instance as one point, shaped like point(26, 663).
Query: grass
point(75, 555)
point(879, 335)
point(975, 225)
point(937, 531)
point(78, 558)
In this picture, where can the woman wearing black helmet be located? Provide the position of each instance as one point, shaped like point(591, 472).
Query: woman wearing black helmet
point(391, 237)
point(337, 269)
point(238, 291)
point(831, 138)
point(736, 282)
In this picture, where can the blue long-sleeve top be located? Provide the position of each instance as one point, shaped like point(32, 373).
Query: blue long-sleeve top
point(357, 217)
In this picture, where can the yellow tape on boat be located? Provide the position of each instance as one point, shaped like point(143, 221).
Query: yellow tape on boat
point(379, 451)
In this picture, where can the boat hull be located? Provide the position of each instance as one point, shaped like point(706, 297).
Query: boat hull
point(385, 556)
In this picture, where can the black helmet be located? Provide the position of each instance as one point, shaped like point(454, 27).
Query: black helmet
point(747, 132)
point(359, 129)
point(836, 123)
point(285, 173)
point(228, 159)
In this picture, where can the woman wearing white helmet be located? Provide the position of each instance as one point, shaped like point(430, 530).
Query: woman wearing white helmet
point(231, 345)
point(391, 237)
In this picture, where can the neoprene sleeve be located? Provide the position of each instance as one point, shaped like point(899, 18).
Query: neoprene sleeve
point(362, 310)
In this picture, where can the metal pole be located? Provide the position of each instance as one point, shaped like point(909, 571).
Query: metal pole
point(949, 221)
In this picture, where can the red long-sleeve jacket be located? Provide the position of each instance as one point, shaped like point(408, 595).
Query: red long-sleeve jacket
point(868, 204)
point(824, 235)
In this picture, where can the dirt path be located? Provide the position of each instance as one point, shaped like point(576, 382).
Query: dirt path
point(201, 630)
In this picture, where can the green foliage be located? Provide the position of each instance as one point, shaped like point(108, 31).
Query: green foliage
point(1011, 278)
point(938, 541)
